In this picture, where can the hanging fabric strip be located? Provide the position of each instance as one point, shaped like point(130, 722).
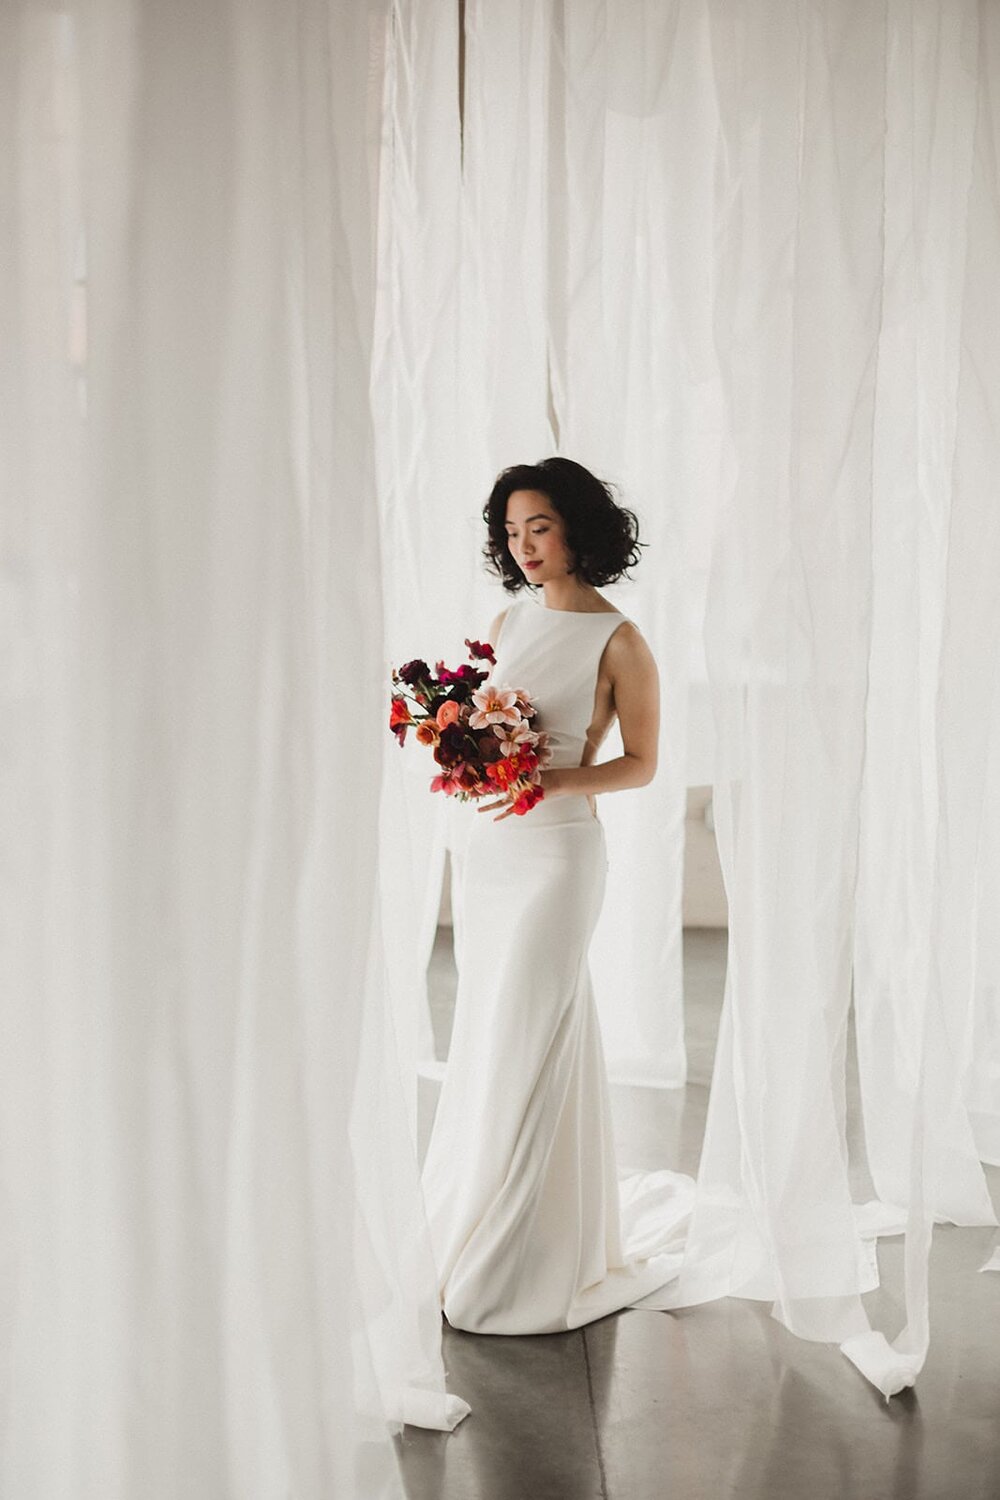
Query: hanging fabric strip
point(792, 632)
point(202, 1272)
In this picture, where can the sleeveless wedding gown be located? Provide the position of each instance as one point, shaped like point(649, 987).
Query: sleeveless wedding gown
point(532, 1230)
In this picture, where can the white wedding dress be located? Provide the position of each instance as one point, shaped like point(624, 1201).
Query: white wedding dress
point(531, 1228)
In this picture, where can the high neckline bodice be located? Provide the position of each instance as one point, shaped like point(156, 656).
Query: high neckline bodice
point(577, 614)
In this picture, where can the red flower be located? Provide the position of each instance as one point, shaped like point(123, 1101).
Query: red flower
point(480, 650)
point(399, 718)
point(532, 793)
point(526, 760)
point(512, 767)
point(503, 772)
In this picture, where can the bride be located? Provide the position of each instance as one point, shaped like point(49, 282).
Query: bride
point(532, 1227)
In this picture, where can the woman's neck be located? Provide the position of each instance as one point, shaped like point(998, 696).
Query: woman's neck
point(566, 594)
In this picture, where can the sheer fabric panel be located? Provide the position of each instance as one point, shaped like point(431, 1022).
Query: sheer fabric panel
point(847, 158)
point(797, 297)
point(204, 1273)
point(930, 665)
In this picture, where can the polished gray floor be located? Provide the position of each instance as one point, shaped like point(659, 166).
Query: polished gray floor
point(716, 1401)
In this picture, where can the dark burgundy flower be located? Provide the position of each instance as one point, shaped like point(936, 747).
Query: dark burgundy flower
point(489, 748)
point(455, 744)
point(413, 671)
point(468, 778)
point(480, 650)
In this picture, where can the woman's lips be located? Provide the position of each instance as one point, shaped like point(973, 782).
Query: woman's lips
point(533, 565)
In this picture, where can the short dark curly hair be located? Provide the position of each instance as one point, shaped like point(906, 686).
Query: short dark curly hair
point(602, 535)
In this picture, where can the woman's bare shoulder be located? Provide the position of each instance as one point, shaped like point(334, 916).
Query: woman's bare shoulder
point(627, 646)
point(627, 635)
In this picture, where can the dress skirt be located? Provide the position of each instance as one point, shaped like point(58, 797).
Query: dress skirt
point(531, 1229)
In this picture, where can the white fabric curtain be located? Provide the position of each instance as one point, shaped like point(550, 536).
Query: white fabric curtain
point(931, 691)
point(429, 528)
point(214, 1274)
point(847, 171)
point(743, 261)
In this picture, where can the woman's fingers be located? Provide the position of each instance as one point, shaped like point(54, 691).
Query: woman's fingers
point(503, 802)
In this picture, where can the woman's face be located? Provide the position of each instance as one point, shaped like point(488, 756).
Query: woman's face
point(536, 536)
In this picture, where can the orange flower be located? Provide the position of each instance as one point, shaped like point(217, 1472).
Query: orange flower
point(446, 714)
point(427, 733)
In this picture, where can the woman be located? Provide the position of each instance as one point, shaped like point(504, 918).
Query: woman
point(532, 1231)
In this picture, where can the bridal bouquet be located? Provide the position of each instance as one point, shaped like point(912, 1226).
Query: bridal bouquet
point(480, 734)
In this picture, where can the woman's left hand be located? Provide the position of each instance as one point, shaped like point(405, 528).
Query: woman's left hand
point(504, 802)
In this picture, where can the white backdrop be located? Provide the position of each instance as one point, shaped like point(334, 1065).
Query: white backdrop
point(213, 1272)
point(744, 265)
point(742, 260)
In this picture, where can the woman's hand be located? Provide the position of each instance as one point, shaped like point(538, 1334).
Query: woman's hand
point(505, 802)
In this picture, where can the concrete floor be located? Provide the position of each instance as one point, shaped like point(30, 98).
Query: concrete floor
point(716, 1401)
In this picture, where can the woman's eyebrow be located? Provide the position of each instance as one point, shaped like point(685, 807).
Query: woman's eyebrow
point(541, 517)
